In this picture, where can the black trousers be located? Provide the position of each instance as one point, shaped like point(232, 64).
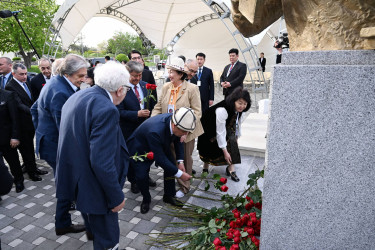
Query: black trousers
point(27, 151)
point(6, 180)
point(11, 156)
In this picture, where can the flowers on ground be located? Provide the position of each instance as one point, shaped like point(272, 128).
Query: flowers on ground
point(234, 225)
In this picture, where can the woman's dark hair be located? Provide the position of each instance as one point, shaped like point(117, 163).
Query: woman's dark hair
point(237, 94)
point(90, 74)
point(184, 75)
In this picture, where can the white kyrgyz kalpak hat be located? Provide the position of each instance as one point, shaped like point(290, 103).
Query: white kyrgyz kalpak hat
point(177, 64)
point(184, 119)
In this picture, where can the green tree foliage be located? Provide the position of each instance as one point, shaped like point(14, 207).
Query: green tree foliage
point(122, 57)
point(123, 43)
point(35, 18)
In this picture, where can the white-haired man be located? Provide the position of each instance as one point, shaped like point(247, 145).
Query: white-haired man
point(92, 157)
point(46, 112)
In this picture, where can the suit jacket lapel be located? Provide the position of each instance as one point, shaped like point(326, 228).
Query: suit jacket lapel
point(21, 90)
point(182, 90)
point(134, 97)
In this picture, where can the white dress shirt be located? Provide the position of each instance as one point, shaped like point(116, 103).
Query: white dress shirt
point(221, 131)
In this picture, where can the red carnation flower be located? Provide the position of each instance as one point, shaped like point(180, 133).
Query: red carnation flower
point(148, 86)
point(153, 86)
point(237, 233)
point(237, 215)
point(253, 215)
point(250, 231)
point(224, 188)
point(217, 241)
point(229, 235)
point(248, 198)
point(248, 206)
point(254, 239)
point(232, 224)
point(237, 240)
point(223, 180)
point(234, 247)
point(150, 156)
point(254, 220)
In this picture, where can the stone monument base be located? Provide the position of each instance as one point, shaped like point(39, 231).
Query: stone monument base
point(320, 161)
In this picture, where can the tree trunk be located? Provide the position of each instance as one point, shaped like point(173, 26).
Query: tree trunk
point(26, 57)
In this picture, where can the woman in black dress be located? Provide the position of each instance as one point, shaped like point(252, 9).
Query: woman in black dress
point(222, 125)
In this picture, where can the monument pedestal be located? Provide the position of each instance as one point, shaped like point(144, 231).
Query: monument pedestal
point(320, 161)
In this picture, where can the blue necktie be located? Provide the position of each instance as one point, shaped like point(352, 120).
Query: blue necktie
point(199, 74)
point(27, 90)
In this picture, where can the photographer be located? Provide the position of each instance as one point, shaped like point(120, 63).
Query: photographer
point(282, 42)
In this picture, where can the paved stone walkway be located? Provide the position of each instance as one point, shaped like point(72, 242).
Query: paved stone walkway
point(27, 218)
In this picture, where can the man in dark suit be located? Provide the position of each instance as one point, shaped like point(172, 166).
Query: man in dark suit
point(46, 113)
point(133, 111)
point(156, 135)
point(9, 136)
point(5, 71)
point(204, 79)
point(233, 74)
point(262, 61)
point(92, 157)
point(38, 81)
point(147, 75)
point(24, 99)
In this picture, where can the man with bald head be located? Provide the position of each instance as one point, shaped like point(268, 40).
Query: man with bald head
point(38, 81)
point(5, 71)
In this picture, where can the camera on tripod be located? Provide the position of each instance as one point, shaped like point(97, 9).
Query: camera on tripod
point(282, 41)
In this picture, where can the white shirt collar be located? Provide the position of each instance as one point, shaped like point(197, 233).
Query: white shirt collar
point(74, 87)
point(170, 127)
point(20, 83)
point(109, 94)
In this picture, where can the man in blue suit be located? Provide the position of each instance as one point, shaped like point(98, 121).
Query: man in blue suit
point(92, 157)
point(46, 112)
point(204, 79)
point(133, 110)
point(156, 135)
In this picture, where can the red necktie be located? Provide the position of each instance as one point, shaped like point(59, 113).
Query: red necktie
point(137, 93)
point(231, 67)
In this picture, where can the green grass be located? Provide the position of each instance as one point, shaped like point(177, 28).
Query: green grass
point(34, 68)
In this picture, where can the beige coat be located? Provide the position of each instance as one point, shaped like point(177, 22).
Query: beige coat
point(188, 97)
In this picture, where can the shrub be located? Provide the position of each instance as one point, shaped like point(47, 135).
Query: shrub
point(121, 57)
point(34, 68)
point(16, 59)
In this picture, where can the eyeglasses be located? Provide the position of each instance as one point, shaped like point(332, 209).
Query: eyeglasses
point(192, 71)
point(126, 88)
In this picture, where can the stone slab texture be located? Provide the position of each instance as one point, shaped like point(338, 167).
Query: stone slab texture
point(320, 160)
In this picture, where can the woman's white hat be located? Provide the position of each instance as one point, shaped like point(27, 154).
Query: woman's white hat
point(177, 64)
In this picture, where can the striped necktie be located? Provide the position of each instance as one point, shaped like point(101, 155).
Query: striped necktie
point(27, 90)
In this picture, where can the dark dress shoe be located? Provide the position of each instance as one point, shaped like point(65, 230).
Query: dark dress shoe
point(151, 182)
point(89, 235)
point(19, 186)
point(41, 172)
point(145, 207)
point(172, 201)
point(134, 188)
point(34, 177)
point(71, 229)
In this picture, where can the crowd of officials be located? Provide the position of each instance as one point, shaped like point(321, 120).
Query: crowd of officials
point(90, 122)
